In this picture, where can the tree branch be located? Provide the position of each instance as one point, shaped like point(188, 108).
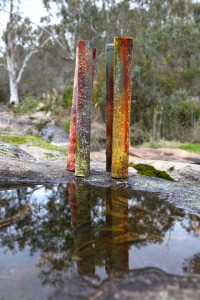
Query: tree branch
point(28, 57)
point(45, 30)
point(25, 62)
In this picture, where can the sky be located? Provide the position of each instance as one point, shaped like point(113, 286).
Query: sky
point(33, 9)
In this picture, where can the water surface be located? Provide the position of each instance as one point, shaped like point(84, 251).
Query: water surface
point(60, 242)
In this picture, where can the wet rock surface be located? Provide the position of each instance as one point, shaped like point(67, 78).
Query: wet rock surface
point(149, 284)
point(143, 284)
point(18, 167)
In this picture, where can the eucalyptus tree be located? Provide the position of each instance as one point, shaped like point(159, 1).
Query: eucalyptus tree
point(92, 19)
point(166, 63)
point(20, 41)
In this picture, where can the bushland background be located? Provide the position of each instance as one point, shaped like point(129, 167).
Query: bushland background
point(39, 59)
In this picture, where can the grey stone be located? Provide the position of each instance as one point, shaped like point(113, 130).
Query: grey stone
point(54, 134)
point(149, 284)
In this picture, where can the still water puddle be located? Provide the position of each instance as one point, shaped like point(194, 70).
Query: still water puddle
point(59, 241)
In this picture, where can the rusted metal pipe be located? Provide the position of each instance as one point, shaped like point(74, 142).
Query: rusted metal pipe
point(123, 52)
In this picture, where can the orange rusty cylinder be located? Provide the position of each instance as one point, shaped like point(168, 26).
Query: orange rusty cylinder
point(123, 52)
point(117, 254)
point(71, 158)
point(83, 108)
point(79, 199)
point(109, 103)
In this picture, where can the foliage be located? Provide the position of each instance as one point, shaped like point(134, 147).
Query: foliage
point(67, 95)
point(191, 147)
point(28, 106)
point(66, 126)
point(42, 124)
point(99, 87)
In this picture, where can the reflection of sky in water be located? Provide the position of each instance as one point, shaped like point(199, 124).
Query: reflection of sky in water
point(42, 194)
point(19, 278)
point(98, 212)
point(177, 245)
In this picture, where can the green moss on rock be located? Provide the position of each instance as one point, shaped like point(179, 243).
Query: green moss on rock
point(30, 140)
point(148, 170)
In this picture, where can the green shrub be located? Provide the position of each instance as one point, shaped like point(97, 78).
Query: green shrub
point(67, 94)
point(66, 126)
point(42, 124)
point(99, 88)
point(28, 106)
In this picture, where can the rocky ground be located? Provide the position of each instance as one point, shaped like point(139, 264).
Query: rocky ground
point(19, 167)
point(149, 284)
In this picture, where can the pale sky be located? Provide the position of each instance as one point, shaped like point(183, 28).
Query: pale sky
point(29, 8)
point(34, 9)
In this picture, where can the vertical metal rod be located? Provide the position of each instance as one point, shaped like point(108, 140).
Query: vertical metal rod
point(71, 158)
point(109, 103)
point(117, 254)
point(83, 108)
point(123, 52)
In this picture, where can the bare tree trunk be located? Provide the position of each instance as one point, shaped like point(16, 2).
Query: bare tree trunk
point(10, 58)
point(14, 97)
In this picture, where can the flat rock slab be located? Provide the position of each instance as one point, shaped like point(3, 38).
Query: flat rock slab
point(166, 154)
point(149, 284)
point(27, 170)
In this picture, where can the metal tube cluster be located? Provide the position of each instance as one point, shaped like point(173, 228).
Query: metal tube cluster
point(118, 107)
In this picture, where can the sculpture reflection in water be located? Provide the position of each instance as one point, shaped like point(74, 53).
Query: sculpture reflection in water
point(79, 197)
point(117, 227)
point(94, 240)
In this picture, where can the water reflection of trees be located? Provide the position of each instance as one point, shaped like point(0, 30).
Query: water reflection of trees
point(151, 218)
point(192, 224)
point(192, 264)
point(47, 229)
point(86, 226)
